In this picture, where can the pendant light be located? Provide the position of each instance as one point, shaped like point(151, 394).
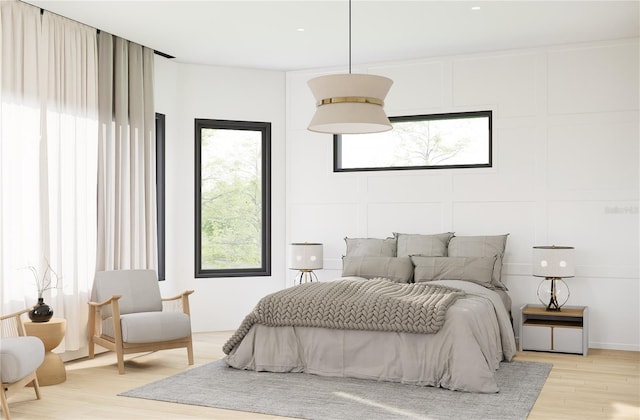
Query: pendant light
point(350, 103)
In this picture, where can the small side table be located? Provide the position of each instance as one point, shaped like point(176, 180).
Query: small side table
point(51, 333)
point(565, 331)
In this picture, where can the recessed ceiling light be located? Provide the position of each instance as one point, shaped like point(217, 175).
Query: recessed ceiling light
point(300, 29)
point(475, 8)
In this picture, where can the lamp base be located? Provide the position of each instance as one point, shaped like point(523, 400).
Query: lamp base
point(553, 292)
point(305, 276)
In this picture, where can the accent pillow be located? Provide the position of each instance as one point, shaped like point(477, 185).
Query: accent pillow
point(473, 269)
point(396, 269)
point(371, 247)
point(482, 246)
point(416, 244)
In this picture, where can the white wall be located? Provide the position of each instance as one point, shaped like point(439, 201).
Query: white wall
point(185, 92)
point(566, 153)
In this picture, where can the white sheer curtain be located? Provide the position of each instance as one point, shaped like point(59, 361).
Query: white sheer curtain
point(127, 231)
point(48, 157)
point(20, 220)
point(70, 86)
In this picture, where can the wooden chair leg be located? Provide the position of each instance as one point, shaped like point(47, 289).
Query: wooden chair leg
point(92, 331)
point(92, 349)
point(36, 387)
point(120, 355)
point(5, 403)
point(190, 353)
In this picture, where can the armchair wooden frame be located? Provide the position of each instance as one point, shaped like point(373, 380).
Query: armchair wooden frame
point(121, 348)
point(9, 389)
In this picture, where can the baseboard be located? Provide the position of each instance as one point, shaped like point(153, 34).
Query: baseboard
point(68, 356)
point(614, 346)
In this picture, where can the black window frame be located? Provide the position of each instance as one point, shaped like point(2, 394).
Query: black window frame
point(265, 129)
point(160, 194)
point(337, 144)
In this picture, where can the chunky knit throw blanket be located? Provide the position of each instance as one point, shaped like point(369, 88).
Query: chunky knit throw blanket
point(377, 305)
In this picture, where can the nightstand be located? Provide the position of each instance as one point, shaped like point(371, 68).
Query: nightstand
point(565, 331)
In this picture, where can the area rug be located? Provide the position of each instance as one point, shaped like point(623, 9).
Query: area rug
point(315, 397)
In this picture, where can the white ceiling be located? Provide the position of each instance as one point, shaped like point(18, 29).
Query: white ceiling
point(264, 34)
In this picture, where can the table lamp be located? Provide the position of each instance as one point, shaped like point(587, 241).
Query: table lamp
point(306, 257)
point(553, 263)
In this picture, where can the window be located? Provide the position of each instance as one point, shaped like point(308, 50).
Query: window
point(233, 198)
point(455, 140)
point(160, 134)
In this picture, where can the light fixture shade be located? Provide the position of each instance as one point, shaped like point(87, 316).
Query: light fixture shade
point(553, 261)
point(350, 103)
point(306, 256)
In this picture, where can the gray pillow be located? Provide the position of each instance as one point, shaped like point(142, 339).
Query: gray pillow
point(417, 244)
point(474, 269)
point(396, 269)
point(482, 246)
point(370, 247)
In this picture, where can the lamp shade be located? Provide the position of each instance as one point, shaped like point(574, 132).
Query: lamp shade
point(306, 256)
point(350, 103)
point(553, 261)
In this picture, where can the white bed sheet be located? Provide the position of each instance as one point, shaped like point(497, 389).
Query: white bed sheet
point(476, 336)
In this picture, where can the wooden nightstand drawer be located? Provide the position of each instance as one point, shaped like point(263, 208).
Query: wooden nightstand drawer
point(565, 331)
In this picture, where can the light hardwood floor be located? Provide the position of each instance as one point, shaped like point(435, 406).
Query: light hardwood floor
point(603, 385)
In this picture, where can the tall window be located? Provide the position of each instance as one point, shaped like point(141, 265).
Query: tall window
point(454, 140)
point(233, 198)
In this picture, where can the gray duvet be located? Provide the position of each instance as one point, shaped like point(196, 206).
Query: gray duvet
point(476, 336)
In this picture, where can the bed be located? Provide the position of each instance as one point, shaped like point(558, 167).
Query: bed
point(462, 352)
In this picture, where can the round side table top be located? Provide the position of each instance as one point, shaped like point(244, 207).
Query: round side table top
point(51, 332)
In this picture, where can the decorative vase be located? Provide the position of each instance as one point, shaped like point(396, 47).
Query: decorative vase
point(41, 312)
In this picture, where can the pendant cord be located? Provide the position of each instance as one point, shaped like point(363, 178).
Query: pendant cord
point(349, 36)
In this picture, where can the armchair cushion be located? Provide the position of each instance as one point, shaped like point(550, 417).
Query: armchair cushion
point(139, 290)
point(150, 327)
point(19, 356)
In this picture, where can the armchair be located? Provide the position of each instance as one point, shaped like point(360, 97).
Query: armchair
point(126, 315)
point(20, 356)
